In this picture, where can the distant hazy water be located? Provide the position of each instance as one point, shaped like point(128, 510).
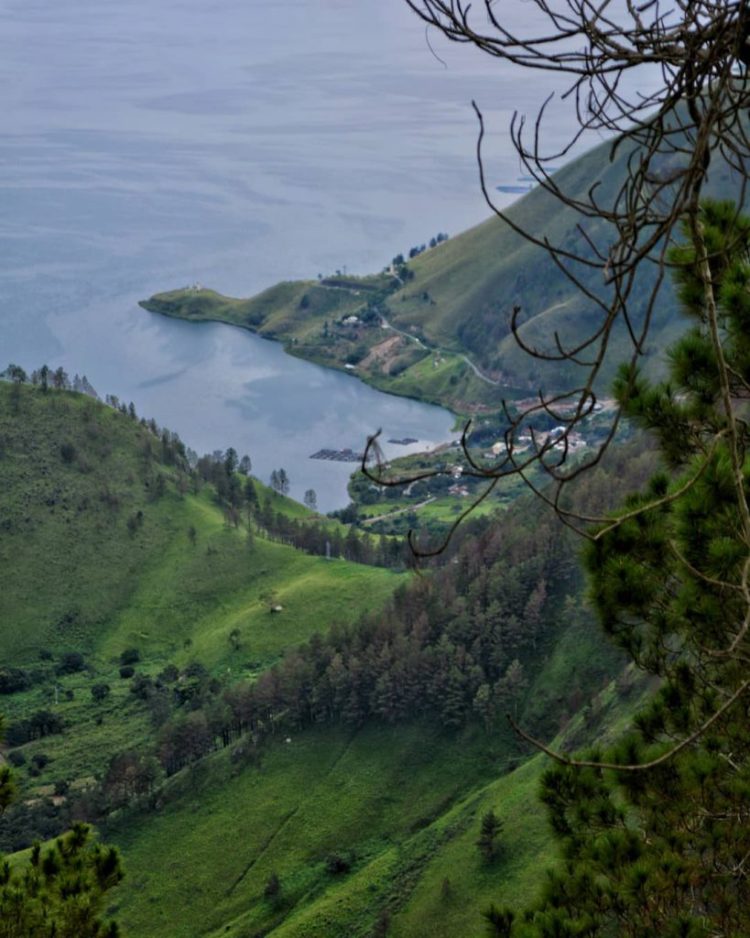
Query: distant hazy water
point(147, 145)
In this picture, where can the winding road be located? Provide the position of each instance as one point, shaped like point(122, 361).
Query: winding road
point(436, 348)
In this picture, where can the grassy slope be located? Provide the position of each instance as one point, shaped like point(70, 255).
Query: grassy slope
point(406, 801)
point(375, 792)
point(76, 579)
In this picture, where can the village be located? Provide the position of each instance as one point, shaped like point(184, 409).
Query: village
point(438, 484)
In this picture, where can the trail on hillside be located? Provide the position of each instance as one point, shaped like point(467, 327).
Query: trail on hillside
point(398, 511)
point(284, 821)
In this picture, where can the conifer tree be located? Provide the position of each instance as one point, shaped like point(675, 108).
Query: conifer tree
point(60, 892)
point(488, 833)
point(655, 832)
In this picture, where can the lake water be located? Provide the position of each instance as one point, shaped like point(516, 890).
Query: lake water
point(150, 145)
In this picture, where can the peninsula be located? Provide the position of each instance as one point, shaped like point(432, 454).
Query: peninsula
point(347, 323)
point(436, 325)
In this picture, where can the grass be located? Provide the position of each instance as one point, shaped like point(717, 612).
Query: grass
point(376, 796)
point(78, 578)
point(400, 805)
point(458, 883)
point(188, 604)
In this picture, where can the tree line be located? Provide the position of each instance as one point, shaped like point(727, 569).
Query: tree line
point(465, 645)
point(228, 472)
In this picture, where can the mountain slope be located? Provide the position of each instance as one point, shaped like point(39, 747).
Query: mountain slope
point(439, 327)
point(361, 821)
point(99, 558)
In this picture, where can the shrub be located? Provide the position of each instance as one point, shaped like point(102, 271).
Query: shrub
point(336, 864)
point(42, 723)
point(142, 686)
point(196, 669)
point(71, 662)
point(169, 675)
point(100, 691)
point(13, 680)
point(67, 452)
point(272, 887)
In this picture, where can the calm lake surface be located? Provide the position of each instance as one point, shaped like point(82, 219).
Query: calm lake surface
point(150, 145)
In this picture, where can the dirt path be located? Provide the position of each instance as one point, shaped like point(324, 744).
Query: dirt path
point(436, 348)
point(408, 335)
point(399, 511)
point(478, 373)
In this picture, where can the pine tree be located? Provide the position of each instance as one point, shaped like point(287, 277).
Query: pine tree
point(655, 832)
point(488, 833)
point(61, 890)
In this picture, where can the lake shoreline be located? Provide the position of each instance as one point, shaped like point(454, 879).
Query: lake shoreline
point(285, 314)
point(459, 419)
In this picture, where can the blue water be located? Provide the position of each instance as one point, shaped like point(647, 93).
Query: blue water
point(150, 145)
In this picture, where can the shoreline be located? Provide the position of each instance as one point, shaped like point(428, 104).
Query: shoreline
point(327, 326)
point(155, 307)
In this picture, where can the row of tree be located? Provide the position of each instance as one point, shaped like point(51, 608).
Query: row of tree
point(325, 540)
point(46, 377)
point(459, 646)
point(462, 646)
point(228, 474)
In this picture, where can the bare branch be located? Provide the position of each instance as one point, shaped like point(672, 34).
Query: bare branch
point(633, 767)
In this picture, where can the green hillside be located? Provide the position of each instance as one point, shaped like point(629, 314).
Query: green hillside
point(106, 546)
point(438, 327)
point(125, 572)
point(401, 805)
point(395, 804)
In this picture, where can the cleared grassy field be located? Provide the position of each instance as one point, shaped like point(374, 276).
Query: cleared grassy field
point(400, 805)
point(177, 583)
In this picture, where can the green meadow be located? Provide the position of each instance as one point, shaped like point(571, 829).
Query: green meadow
point(180, 585)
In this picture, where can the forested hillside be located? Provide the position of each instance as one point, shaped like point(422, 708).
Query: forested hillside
point(149, 688)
